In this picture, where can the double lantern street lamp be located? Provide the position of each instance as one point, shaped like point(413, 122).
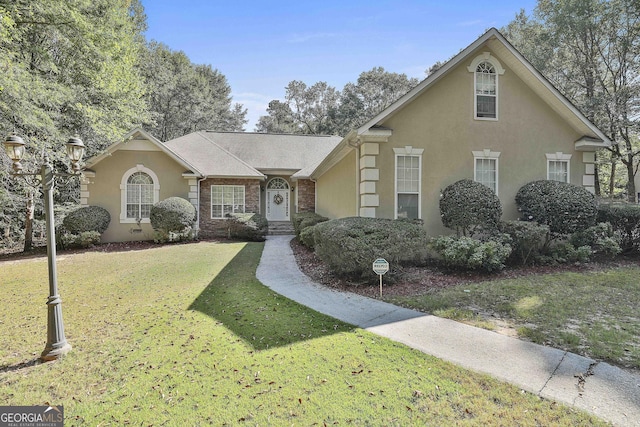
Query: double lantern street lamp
point(57, 344)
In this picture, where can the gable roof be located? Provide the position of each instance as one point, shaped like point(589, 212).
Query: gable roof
point(133, 137)
point(495, 41)
point(249, 154)
point(592, 136)
point(210, 159)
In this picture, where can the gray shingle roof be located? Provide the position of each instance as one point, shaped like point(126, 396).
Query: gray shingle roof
point(244, 154)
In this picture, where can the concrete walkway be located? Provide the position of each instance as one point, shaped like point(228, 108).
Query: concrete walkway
point(604, 390)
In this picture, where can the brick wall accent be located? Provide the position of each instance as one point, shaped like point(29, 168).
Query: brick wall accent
point(306, 195)
point(216, 227)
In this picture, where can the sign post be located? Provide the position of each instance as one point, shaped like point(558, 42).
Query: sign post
point(380, 267)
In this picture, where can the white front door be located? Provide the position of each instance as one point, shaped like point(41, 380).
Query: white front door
point(278, 200)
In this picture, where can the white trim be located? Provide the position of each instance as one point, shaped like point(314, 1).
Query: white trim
point(123, 193)
point(559, 157)
point(244, 199)
point(407, 151)
point(487, 154)
point(499, 70)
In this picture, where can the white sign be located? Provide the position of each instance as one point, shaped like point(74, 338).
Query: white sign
point(380, 266)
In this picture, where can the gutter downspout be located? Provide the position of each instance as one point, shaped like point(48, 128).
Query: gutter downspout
point(198, 209)
point(356, 145)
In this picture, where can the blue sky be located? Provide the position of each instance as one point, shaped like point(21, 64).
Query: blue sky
point(260, 46)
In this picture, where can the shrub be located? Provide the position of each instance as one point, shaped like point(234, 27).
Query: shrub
point(625, 221)
point(600, 238)
point(565, 208)
point(527, 240)
point(86, 239)
point(247, 226)
point(303, 220)
point(172, 215)
point(306, 238)
point(350, 245)
point(467, 206)
point(87, 218)
point(565, 252)
point(471, 254)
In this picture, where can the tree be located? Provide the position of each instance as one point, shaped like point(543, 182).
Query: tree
point(185, 97)
point(590, 50)
point(68, 68)
point(321, 109)
point(279, 119)
point(374, 91)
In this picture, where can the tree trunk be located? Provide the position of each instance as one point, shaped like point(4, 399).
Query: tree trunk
point(28, 223)
point(631, 185)
point(612, 177)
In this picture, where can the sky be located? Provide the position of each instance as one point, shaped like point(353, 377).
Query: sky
point(262, 45)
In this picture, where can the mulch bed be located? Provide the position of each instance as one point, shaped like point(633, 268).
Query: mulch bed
point(412, 281)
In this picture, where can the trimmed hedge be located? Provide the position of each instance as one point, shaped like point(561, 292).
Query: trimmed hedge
point(87, 218)
point(350, 245)
point(564, 207)
point(247, 226)
point(303, 220)
point(625, 221)
point(467, 206)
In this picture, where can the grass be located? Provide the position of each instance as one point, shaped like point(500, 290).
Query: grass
point(593, 313)
point(186, 335)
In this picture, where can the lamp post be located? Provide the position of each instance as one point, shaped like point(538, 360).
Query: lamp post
point(57, 344)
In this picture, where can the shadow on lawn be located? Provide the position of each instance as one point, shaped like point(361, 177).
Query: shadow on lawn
point(255, 313)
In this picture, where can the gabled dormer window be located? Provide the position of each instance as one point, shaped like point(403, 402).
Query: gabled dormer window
point(486, 69)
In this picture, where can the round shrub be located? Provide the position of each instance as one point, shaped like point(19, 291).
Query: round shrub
point(467, 206)
point(564, 207)
point(87, 218)
point(172, 215)
point(303, 220)
point(350, 245)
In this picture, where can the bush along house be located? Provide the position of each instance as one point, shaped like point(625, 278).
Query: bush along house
point(486, 115)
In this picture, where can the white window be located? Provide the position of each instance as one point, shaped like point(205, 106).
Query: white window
point(139, 191)
point(485, 168)
point(408, 182)
point(486, 69)
point(226, 199)
point(558, 167)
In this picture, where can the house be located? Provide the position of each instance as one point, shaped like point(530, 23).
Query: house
point(486, 115)
point(219, 172)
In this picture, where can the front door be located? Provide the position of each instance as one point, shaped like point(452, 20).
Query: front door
point(278, 200)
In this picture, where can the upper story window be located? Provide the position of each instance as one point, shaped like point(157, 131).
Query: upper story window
point(486, 69)
point(139, 190)
point(486, 91)
point(408, 182)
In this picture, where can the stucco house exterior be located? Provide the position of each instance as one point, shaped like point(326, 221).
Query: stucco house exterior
point(486, 115)
point(218, 172)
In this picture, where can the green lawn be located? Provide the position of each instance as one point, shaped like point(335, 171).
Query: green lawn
point(593, 313)
point(185, 335)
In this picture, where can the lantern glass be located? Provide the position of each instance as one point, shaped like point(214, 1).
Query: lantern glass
point(14, 146)
point(75, 149)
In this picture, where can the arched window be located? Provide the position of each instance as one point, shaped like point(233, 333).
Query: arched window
point(139, 190)
point(139, 195)
point(486, 69)
point(486, 90)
